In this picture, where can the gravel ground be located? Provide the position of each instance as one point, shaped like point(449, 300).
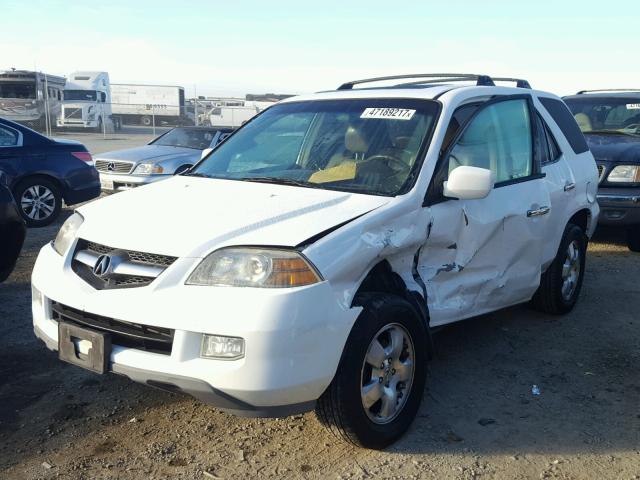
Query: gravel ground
point(479, 418)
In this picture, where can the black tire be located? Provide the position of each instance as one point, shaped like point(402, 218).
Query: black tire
point(32, 187)
point(549, 297)
point(146, 121)
point(99, 126)
point(341, 408)
point(633, 238)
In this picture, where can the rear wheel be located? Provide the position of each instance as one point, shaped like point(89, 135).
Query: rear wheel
point(146, 121)
point(378, 387)
point(560, 285)
point(633, 238)
point(39, 200)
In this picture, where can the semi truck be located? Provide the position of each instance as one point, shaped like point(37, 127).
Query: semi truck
point(86, 102)
point(148, 104)
point(31, 98)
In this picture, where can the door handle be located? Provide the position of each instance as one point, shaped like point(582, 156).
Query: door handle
point(538, 212)
point(569, 186)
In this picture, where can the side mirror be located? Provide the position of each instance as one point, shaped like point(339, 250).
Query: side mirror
point(469, 183)
point(206, 152)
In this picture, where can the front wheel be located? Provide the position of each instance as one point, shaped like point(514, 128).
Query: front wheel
point(633, 238)
point(378, 387)
point(560, 285)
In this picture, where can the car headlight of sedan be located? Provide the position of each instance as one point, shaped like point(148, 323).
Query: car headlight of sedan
point(255, 267)
point(625, 174)
point(67, 233)
point(148, 169)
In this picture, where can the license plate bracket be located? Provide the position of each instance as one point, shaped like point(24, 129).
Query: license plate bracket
point(106, 184)
point(96, 358)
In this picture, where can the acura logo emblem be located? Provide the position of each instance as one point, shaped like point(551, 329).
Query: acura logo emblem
point(111, 167)
point(102, 266)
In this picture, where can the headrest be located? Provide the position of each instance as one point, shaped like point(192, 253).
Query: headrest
point(584, 122)
point(354, 141)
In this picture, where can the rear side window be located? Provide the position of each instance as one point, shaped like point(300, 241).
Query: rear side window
point(563, 117)
point(547, 148)
point(8, 137)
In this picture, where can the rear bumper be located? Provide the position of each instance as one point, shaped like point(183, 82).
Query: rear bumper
point(619, 206)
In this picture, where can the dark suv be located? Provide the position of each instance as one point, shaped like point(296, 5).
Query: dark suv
point(610, 120)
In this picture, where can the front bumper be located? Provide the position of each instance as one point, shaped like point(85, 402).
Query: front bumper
point(619, 206)
point(79, 123)
point(292, 347)
point(114, 182)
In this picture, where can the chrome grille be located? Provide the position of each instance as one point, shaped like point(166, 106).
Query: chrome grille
point(113, 167)
point(142, 257)
point(130, 268)
point(73, 112)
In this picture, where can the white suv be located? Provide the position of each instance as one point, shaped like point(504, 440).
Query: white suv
point(303, 263)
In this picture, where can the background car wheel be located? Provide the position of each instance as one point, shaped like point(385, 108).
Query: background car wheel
point(560, 285)
point(633, 238)
point(146, 121)
point(379, 384)
point(39, 201)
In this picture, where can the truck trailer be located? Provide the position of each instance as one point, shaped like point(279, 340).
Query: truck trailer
point(148, 104)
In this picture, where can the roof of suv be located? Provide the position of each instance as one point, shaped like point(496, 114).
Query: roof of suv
point(619, 93)
point(430, 86)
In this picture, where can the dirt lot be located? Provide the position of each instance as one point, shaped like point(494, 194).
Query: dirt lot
point(479, 418)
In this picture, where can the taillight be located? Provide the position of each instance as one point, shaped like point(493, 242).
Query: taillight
point(84, 156)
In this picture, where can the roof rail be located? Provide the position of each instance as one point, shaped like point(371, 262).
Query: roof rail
point(481, 80)
point(520, 83)
point(581, 92)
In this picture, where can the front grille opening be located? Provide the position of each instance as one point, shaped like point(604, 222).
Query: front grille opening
point(124, 334)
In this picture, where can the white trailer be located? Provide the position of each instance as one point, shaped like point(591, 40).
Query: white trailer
point(87, 102)
point(149, 104)
point(234, 116)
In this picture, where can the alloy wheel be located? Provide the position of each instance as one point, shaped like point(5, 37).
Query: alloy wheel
point(571, 270)
point(38, 202)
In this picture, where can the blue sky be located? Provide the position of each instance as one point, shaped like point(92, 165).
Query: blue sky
point(234, 47)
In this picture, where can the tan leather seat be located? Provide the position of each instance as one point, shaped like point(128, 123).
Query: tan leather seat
point(342, 166)
point(584, 122)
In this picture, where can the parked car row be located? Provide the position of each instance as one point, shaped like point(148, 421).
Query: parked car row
point(302, 263)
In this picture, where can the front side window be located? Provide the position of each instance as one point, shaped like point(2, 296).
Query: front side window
point(8, 137)
point(370, 146)
point(498, 138)
point(81, 95)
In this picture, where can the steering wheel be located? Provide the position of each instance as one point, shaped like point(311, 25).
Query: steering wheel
point(388, 161)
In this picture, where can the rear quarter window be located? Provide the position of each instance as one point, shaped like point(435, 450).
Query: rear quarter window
point(563, 117)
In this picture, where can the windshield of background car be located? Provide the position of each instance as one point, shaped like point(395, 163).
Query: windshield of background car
point(189, 138)
point(607, 114)
point(366, 145)
point(85, 95)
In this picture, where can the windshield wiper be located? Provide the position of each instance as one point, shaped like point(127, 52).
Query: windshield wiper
point(611, 132)
point(196, 174)
point(279, 181)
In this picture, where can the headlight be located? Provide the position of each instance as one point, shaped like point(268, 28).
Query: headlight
point(67, 233)
point(254, 267)
point(148, 169)
point(625, 174)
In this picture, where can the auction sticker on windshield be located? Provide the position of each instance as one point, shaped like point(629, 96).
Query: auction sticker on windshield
point(633, 106)
point(388, 113)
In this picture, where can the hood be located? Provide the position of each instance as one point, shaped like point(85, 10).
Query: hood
point(155, 153)
point(189, 216)
point(614, 148)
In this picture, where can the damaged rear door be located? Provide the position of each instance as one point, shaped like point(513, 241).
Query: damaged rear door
point(485, 254)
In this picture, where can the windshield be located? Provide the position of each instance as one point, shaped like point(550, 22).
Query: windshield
point(607, 114)
point(86, 95)
point(17, 90)
point(370, 146)
point(198, 138)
